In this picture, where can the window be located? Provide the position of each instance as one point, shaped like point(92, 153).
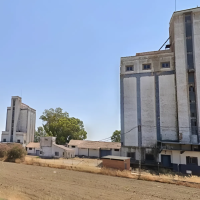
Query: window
point(56, 153)
point(149, 157)
point(46, 139)
point(73, 146)
point(4, 140)
point(40, 152)
point(18, 141)
point(116, 149)
point(146, 66)
point(129, 68)
point(131, 155)
point(191, 160)
point(30, 148)
point(165, 65)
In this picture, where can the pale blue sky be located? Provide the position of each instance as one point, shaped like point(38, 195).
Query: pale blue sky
point(61, 53)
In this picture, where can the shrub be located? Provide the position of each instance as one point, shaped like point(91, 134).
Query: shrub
point(15, 152)
point(11, 152)
point(3, 150)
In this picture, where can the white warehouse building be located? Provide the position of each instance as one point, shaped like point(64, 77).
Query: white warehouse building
point(94, 149)
point(20, 123)
point(47, 148)
point(160, 99)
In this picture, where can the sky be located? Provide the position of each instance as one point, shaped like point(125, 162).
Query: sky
point(64, 53)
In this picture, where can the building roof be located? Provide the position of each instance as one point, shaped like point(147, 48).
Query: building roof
point(95, 144)
point(63, 147)
point(115, 157)
point(33, 145)
point(24, 106)
point(75, 142)
point(153, 52)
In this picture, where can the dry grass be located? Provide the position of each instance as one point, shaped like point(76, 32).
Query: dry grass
point(192, 181)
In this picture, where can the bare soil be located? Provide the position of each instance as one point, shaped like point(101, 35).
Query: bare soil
point(19, 181)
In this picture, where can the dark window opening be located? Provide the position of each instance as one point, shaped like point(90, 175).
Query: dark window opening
point(18, 141)
point(149, 157)
point(116, 149)
point(166, 65)
point(191, 160)
point(191, 89)
point(40, 152)
point(56, 153)
point(4, 140)
point(191, 77)
point(146, 66)
point(131, 155)
point(30, 148)
point(129, 68)
point(73, 146)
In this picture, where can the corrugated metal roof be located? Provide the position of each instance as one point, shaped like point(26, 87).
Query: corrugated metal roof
point(115, 157)
point(95, 144)
point(33, 145)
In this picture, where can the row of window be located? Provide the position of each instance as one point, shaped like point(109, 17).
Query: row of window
point(18, 141)
point(95, 149)
point(148, 66)
point(150, 157)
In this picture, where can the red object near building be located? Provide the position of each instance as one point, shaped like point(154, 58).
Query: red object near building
point(116, 162)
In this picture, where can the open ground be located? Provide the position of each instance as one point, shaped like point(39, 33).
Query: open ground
point(19, 181)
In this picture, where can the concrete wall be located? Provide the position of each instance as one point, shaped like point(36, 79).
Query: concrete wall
point(168, 110)
point(46, 152)
point(149, 136)
point(178, 158)
point(31, 126)
point(115, 153)
point(8, 120)
point(94, 153)
point(130, 112)
point(5, 135)
point(116, 164)
point(75, 149)
point(59, 150)
point(83, 152)
point(24, 121)
point(181, 78)
point(33, 151)
point(22, 126)
point(196, 44)
point(46, 141)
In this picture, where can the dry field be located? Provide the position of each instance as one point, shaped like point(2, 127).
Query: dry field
point(21, 182)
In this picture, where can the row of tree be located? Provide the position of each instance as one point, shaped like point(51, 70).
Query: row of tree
point(58, 124)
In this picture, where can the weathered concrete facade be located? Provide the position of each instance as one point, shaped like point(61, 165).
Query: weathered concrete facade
point(160, 92)
point(20, 123)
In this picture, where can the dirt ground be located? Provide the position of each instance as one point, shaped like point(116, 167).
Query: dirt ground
point(21, 182)
point(84, 162)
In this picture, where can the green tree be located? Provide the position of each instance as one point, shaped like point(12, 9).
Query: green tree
point(39, 133)
point(58, 124)
point(116, 136)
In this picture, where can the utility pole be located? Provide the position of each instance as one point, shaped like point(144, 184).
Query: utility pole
point(140, 143)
